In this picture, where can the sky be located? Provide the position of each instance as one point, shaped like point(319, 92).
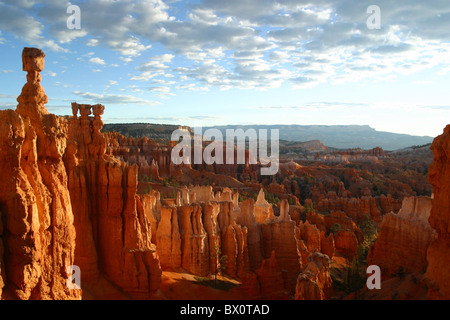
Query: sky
point(225, 62)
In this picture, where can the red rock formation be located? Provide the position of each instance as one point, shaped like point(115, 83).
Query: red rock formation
point(210, 212)
point(310, 235)
point(117, 236)
point(194, 242)
point(152, 158)
point(246, 218)
point(344, 222)
point(2, 265)
point(278, 235)
point(234, 238)
point(351, 155)
point(327, 244)
point(357, 208)
point(38, 232)
point(317, 219)
point(263, 209)
point(404, 239)
point(439, 250)
point(207, 230)
point(270, 277)
point(168, 239)
point(314, 282)
point(346, 242)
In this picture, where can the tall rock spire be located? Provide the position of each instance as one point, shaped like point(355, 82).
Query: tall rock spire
point(33, 97)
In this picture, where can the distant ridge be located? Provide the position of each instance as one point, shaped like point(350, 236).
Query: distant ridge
point(150, 130)
point(342, 136)
point(336, 136)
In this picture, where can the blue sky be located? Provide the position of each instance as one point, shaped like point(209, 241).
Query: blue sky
point(216, 62)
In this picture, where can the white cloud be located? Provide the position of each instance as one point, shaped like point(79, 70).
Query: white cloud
point(113, 98)
point(17, 21)
point(97, 60)
point(92, 43)
point(251, 43)
point(161, 89)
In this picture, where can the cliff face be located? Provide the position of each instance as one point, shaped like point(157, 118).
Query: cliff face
point(117, 237)
point(404, 239)
point(38, 235)
point(439, 250)
point(59, 183)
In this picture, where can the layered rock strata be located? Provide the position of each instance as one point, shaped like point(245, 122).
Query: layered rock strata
point(438, 255)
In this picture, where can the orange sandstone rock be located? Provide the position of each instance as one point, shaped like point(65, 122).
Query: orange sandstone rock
point(404, 238)
point(270, 277)
point(439, 250)
point(168, 239)
point(314, 282)
point(38, 232)
point(194, 245)
point(117, 238)
point(278, 235)
point(346, 243)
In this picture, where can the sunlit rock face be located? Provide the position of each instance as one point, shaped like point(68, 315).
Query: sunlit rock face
point(439, 250)
point(404, 239)
point(37, 233)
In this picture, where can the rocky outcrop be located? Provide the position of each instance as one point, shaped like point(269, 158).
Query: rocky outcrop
point(327, 245)
point(195, 236)
point(234, 240)
point(439, 250)
point(359, 208)
point(116, 235)
point(152, 158)
point(314, 282)
point(404, 239)
point(278, 235)
point(270, 277)
point(343, 222)
point(194, 240)
point(246, 218)
point(346, 242)
point(168, 238)
point(38, 234)
point(310, 239)
point(310, 235)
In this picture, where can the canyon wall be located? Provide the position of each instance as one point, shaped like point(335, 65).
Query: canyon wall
point(439, 250)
